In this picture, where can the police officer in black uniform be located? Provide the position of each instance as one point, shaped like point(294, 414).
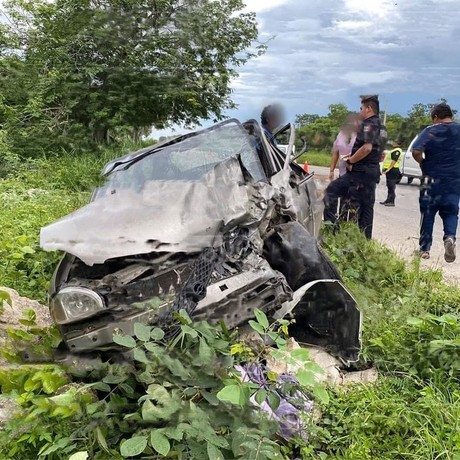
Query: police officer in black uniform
point(363, 169)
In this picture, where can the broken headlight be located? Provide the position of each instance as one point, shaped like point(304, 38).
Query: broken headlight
point(75, 303)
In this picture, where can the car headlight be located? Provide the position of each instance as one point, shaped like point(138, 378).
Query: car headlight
point(75, 303)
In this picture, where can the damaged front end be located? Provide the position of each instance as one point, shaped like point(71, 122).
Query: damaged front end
point(218, 223)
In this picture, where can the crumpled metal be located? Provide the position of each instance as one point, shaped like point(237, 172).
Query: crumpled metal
point(165, 216)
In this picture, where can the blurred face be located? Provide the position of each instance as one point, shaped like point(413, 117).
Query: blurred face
point(351, 124)
point(274, 120)
point(348, 127)
point(365, 112)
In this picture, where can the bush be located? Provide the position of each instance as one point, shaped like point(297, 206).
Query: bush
point(23, 265)
point(181, 397)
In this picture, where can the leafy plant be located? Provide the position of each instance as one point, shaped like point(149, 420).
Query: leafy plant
point(32, 343)
point(4, 298)
point(182, 398)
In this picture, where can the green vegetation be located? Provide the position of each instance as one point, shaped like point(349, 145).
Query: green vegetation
point(76, 74)
point(182, 398)
point(316, 158)
point(411, 333)
point(321, 131)
point(34, 193)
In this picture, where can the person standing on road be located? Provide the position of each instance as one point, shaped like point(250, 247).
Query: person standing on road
point(343, 144)
point(392, 173)
point(363, 169)
point(437, 149)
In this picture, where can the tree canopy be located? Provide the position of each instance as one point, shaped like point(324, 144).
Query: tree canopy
point(95, 69)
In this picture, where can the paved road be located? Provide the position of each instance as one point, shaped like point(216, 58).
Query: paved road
point(398, 227)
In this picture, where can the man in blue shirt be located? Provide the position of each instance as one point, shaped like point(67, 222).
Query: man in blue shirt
point(363, 165)
point(437, 149)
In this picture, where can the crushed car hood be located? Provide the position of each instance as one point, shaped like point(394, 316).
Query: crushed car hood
point(165, 216)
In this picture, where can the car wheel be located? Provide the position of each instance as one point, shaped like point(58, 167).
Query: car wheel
point(410, 180)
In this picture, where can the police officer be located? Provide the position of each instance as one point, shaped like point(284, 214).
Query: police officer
point(363, 169)
point(392, 173)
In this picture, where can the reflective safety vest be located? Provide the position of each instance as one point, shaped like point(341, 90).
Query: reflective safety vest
point(387, 161)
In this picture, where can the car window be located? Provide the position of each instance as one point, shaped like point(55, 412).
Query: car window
point(191, 158)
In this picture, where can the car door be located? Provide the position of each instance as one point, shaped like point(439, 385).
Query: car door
point(410, 167)
point(303, 191)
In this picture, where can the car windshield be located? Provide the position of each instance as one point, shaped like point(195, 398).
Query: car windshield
point(190, 159)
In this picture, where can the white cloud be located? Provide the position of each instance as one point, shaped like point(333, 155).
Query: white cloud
point(370, 8)
point(357, 78)
point(352, 25)
point(327, 51)
point(262, 5)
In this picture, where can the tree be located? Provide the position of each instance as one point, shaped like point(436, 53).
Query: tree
point(394, 123)
point(101, 68)
point(337, 114)
point(417, 119)
point(305, 119)
point(321, 131)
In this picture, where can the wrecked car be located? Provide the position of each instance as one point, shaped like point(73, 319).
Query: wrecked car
point(217, 222)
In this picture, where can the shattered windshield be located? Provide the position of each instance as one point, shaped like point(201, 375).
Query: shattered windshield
point(189, 159)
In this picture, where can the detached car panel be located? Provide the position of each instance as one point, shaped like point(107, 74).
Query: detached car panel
point(217, 222)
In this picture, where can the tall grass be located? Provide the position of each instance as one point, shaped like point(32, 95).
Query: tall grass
point(411, 333)
point(34, 193)
point(316, 158)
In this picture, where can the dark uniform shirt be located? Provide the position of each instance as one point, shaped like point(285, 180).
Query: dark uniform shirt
point(369, 133)
point(441, 145)
point(269, 135)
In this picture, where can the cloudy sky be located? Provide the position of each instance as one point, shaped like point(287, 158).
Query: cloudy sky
point(327, 51)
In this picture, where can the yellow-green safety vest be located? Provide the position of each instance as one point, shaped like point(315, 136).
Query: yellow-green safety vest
point(387, 161)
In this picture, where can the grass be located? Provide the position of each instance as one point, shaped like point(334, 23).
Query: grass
point(411, 333)
point(316, 158)
point(395, 419)
point(35, 193)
